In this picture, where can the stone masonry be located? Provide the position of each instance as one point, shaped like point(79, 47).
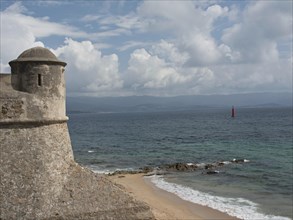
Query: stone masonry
point(39, 177)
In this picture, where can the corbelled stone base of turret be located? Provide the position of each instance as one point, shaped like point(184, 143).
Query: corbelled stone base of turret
point(40, 180)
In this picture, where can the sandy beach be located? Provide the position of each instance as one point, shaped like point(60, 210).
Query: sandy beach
point(163, 204)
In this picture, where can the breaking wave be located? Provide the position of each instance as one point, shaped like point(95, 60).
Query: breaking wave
point(238, 207)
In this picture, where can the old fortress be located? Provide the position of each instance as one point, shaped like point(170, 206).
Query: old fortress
point(39, 177)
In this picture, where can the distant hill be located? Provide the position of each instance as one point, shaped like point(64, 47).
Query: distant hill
point(150, 103)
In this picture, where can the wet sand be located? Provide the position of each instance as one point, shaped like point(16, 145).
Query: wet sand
point(165, 205)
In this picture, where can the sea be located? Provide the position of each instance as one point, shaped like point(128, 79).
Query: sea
point(260, 189)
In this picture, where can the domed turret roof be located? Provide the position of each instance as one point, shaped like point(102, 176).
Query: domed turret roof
point(37, 54)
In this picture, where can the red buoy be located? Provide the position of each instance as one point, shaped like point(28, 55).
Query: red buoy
point(233, 112)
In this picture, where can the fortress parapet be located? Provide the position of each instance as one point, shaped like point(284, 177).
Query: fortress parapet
point(36, 91)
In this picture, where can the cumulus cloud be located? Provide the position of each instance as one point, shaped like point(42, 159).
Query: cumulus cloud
point(147, 71)
point(11, 29)
point(167, 47)
point(246, 58)
point(170, 52)
point(191, 26)
point(263, 24)
point(251, 77)
point(149, 74)
point(88, 71)
point(215, 11)
point(23, 31)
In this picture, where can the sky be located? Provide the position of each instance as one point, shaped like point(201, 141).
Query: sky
point(157, 48)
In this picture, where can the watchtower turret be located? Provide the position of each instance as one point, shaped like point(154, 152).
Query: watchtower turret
point(37, 78)
point(38, 71)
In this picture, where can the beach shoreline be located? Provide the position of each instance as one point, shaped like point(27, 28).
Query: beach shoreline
point(163, 204)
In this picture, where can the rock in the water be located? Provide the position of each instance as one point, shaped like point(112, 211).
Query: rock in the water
point(212, 172)
point(239, 160)
point(180, 167)
point(147, 169)
point(209, 166)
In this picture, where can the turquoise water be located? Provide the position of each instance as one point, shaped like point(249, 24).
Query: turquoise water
point(106, 142)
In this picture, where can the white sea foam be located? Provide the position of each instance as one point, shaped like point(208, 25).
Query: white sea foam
point(200, 164)
point(99, 170)
point(102, 171)
point(238, 207)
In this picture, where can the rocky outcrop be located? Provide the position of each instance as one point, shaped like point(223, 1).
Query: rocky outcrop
point(209, 168)
point(180, 167)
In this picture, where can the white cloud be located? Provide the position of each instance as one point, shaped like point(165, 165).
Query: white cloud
point(20, 32)
point(160, 71)
point(174, 47)
point(191, 26)
point(161, 15)
point(89, 18)
point(11, 42)
point(262, 77)
point(16, 8)
point(38, 26)
point(147, 71)
point(108, 33)
point(134, 44)
point(52, 3)
point(88, 71)
point(169, 52)
point(202, 48)
point(129, 21)
point(149, 74)
point(216, 11)
point(115, 25)
point(256, 36)
point(229, 56)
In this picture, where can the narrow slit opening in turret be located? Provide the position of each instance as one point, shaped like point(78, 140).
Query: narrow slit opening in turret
point(39, 80)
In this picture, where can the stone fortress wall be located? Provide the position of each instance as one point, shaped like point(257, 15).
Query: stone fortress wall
point(39, 178)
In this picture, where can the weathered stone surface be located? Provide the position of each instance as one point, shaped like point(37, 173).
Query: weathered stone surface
point(86, 195)
point(34, 160)
point(11, 108)
point(40, 180)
